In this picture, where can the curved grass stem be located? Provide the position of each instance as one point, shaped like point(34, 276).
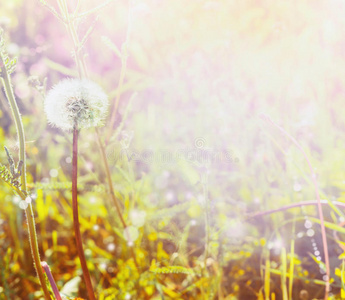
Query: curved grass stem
point(112, 195)
point(6, 80)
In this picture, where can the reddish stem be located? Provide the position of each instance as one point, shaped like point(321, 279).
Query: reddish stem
point(76, 225)
point(294, 205)
point(46, 269)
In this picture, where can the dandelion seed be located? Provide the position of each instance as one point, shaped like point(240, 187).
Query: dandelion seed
point(75, 101)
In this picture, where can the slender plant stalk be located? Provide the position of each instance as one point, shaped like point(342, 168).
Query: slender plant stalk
point(319, 204)
point(51, 280)
point(76, 224)
point(6, 80)
point(112, 194)
point(207, 218)
point(267, 285)
point(294, 205)
point(124, 57)
point(283, 274)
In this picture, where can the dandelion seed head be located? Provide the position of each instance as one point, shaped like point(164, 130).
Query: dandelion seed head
point(76, 101)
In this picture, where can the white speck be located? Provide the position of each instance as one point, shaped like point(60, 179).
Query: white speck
point(88, 252)
point(192, 222)
point(200, 199)
point(111, 247)
point(257, 200)
point(23, 204)
point(308, 224)
point(16, 200)
point(169, 196)
point(297, 187)
point(28, 200)
point(53, 173)
point(310, 232)
point(277, 244)
point(317, 253)
point(128, 296)
point(130, 234)
point(68, 159)
point(300, 234)
point(95, 227)
point(137, 217)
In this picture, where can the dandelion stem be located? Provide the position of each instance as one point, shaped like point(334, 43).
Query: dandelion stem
point(82, 71)
point(6, 80)
point(76, 224)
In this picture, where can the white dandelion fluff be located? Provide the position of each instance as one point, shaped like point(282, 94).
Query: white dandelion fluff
point(76, 101)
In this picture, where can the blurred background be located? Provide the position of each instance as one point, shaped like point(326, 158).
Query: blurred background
point(197, 75)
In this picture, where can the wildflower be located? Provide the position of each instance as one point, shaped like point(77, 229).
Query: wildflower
point(76, 102)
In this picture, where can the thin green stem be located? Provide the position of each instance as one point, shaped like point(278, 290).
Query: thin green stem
point(124, 57)
point(319, 205)
point(6, 80)
point(207, 218)
point(76, 224)
point(112, 193)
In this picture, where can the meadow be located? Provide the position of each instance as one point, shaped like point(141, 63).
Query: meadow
point(177, 149)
